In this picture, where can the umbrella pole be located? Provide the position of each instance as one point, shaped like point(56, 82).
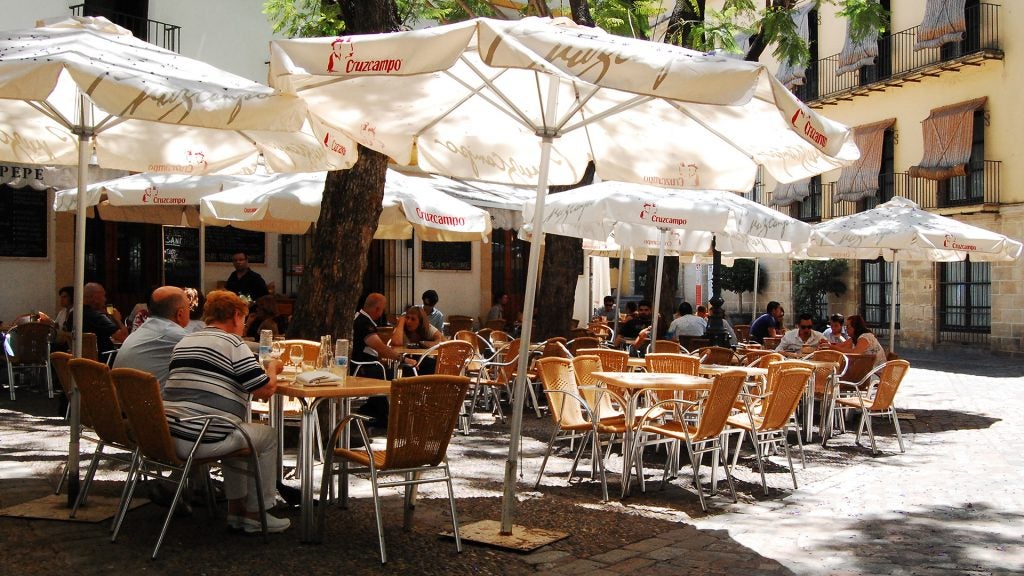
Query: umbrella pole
point(74, 409)
point(657, 286)
point(716, 320)
point(618, 293)
point(202, 257)
point(753, 310)
point(508, 502)
point(892, 309)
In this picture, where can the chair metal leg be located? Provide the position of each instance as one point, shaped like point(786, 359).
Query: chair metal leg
point(547, 454)
point(134, 471)
point(83, 493)
point(758, 455)
point(376, 514)
point(695, 465)
point(871, 433)
point(789, 457)
point(896, 425)
point(451, 504)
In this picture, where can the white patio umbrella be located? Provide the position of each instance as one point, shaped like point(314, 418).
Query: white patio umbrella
point(290, 203)
point(85, 88)
point(898, 231)
point(689, 223)
point(532, 101)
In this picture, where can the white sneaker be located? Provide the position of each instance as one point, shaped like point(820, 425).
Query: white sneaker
point(274, 524)
point(234, 521)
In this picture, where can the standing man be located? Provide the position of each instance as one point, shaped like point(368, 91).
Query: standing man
point(802, 341)
point(768, 324)
point(367, 346)
point(244, 280)
point(108, 328)
point(149, 347)
point(434, 316)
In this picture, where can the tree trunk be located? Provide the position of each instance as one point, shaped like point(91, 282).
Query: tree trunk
point(333, 277)
point(757, 41)
point(563, 258)
point(581, 13)
point(679, 25)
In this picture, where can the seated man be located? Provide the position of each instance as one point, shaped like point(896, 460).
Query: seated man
point(636, 331)
point(367, 346)
point(836, 331)
point(214, 372)
point(149, 347)
point(608, 313)
point(434, 316)
point(768, 324)
point(687, 324)
point(108, 328)
point(802, 341)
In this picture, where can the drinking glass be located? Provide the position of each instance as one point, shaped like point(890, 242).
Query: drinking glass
point(277, 350)
point(296, 354)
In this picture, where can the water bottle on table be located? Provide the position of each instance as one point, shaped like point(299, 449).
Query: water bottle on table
point(266, 344)
point(340, 367)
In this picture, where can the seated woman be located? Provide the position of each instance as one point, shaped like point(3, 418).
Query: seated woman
point(413, 330)
point(213, 372)
point(262, 317)
point(862, 340)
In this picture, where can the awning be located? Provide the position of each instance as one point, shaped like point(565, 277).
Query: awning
point(857, 54)
point(943, 22)
point(860, 180)
point(791, 75)
point(786, 194)
point(947, 140)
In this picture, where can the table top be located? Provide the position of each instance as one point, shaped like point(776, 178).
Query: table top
point(354, 387)
point(655, 380)
point(714, 369)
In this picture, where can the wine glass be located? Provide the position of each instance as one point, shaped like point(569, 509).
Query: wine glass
point(296, 354)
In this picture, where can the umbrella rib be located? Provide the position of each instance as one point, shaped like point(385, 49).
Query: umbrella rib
point(631, 103)
point(724, 138)
point(49, 111)
point(512, 109)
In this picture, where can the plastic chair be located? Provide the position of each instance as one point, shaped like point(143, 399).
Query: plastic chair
point(140, 398)
point(102, 410)
point(424, 412)
point(704, 437)
point(878, 400)
point(27, 347)
point(770, 426)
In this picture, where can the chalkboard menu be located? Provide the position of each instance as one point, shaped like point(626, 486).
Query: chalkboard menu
point(446, 255)
point(23, 221)
point(181, 256)
point(224, 242)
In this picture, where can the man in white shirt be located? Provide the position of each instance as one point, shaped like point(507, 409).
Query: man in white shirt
point(836, 331)
point(149, 347)
point(687, 324)
point(804, 340)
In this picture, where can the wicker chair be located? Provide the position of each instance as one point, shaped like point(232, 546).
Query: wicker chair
point(878, 400)
point(576, 344)
point(717, 355)
point(611, 361)
point(673, 364)
point(102, 410)
point(495, 324)
point(424, 412)
point(666, 346)
point(770, 426)
point(450, 358)
point(573, 418)
point(742, 332)
point(140, 397)
point(499, 337)
point(691, 343)
point(753, 357)
point(494, 374)
point(852, 382)
point(457, 323)
point(771, 342)
point(27, 347)
point(310, 349)
point(704, 437)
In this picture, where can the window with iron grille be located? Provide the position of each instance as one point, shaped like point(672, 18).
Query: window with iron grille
point(969, 189)
point(809, 89)
point(965, 297)
point(810, 208)
point(886, 172)
point(876, 295)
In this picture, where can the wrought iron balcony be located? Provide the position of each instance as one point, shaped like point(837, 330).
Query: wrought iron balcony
point(162, 34)
point(898, 62)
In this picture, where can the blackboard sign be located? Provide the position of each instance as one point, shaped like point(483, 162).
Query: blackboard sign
point(181, 256)
point(23, 219)
point(446, 255)
point(224, 242)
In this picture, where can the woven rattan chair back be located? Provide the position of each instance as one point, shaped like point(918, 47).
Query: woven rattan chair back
point(140, 394)
point(889, 380)
point(424, 411)
point(507, 356)
point(499, 337)
point(28, 344)
point(495, 324)
point(673, 364)
point(857, 367)
point(611, 361)
point(666, 347)
point(310, 349)
point(600, 329)
point(775, 368)
point(62, 368)
point(457, 323)
point(718, 404)
point(469, 337)
point(581, 342)
point(98, 398)
point(823, 374)
point(785, 395)
point(742, 332)
point(716, 355)
point(453, 356)
point(556, 374)
point(555, 348)
point(584, 366)
point(751, 356)
point(485, 333)
point(90, 348)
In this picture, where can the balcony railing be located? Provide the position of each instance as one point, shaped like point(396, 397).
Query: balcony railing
point(160, 33)
point(898, 61)
point(980, 187)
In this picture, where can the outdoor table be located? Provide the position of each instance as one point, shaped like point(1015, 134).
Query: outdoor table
point(716, 369)
point(310, 398)
point(633, 385)
point(636, 363)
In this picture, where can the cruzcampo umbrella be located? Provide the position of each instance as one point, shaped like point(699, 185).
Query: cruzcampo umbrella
point(85, 89)
point(290, 203)
point(532, 101)
point(898, 231)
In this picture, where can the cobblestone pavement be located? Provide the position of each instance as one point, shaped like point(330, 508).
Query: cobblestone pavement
point(952, 504)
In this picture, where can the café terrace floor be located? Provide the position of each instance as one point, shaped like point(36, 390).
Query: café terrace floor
point(952, 504)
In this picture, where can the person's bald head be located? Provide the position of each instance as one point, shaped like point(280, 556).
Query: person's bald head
point(170, 302)
point(94, 296)
point(375, 304)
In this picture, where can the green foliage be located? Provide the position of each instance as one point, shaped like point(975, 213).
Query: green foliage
point(625, 17)
point(812, 279)
point(867, 18)
point(739, 277)
point(310, 18)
